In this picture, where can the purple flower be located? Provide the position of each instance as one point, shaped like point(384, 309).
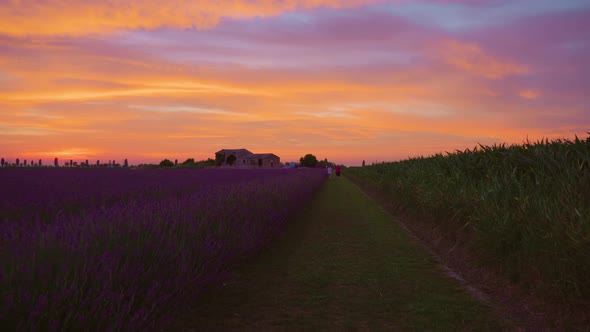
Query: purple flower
point(119, 247)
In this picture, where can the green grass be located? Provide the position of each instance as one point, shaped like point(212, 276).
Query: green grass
point(528, 206)
point(343, 264)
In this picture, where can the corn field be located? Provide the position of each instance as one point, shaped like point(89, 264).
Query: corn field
point(528, 206)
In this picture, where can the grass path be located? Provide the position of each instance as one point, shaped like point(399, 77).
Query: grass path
point(343, 264)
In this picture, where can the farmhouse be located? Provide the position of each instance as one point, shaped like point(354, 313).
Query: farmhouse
point(245, 158)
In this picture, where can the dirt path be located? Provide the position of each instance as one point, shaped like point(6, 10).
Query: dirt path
point(341, 265)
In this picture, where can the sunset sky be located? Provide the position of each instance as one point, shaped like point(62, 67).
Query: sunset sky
point(346, 80)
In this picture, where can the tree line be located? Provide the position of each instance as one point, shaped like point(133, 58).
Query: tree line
point(56, 163)
point(309, 160)
point(188, 163)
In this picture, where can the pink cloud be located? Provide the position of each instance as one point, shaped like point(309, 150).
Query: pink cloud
point(529, 94)
point(349, 83)
point(62, 17)
point(474, 60)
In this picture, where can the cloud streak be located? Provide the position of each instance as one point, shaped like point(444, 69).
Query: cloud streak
point(71, 17)
point(345, 80)
point(472, 59)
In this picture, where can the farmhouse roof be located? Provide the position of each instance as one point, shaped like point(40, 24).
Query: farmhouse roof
point(261, 155)
point(239, 153)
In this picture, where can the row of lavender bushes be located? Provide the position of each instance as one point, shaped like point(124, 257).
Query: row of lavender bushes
point(30, 194)
point(126, 265)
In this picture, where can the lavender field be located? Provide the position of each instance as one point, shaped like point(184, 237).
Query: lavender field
point(108, 250)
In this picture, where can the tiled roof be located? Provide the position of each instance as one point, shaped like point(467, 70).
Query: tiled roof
point(239, 153)
point(262, 155)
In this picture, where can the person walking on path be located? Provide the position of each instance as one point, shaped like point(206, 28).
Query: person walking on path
point(329, 171)
point(338, 170)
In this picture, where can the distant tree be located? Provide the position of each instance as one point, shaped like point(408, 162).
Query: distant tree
point(98, 163)
point(309, 160)
point(17, 162)
point(40, 163)
point(175, 161)
point(25, 163)
point(71, 163)
point(208, 162)
point(231, 159)
point(126, 164)
point(166, 163)
point(189, 161)
point(2, 162)
point(55, 162)
point(363, 163)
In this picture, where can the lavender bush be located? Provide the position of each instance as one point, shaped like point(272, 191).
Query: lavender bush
point(28, 193)
point(131, 242)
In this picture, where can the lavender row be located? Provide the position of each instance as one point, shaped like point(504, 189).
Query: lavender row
point(125, 266)
point(42, 194)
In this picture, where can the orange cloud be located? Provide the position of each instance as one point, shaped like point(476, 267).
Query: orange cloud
point(98, 97)
point(471, 58)
point(529, 94)
point(74, 153)
point(67, 17)
point(81, 95)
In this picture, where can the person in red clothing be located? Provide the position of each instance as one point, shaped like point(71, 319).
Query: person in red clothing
point(338, 170)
